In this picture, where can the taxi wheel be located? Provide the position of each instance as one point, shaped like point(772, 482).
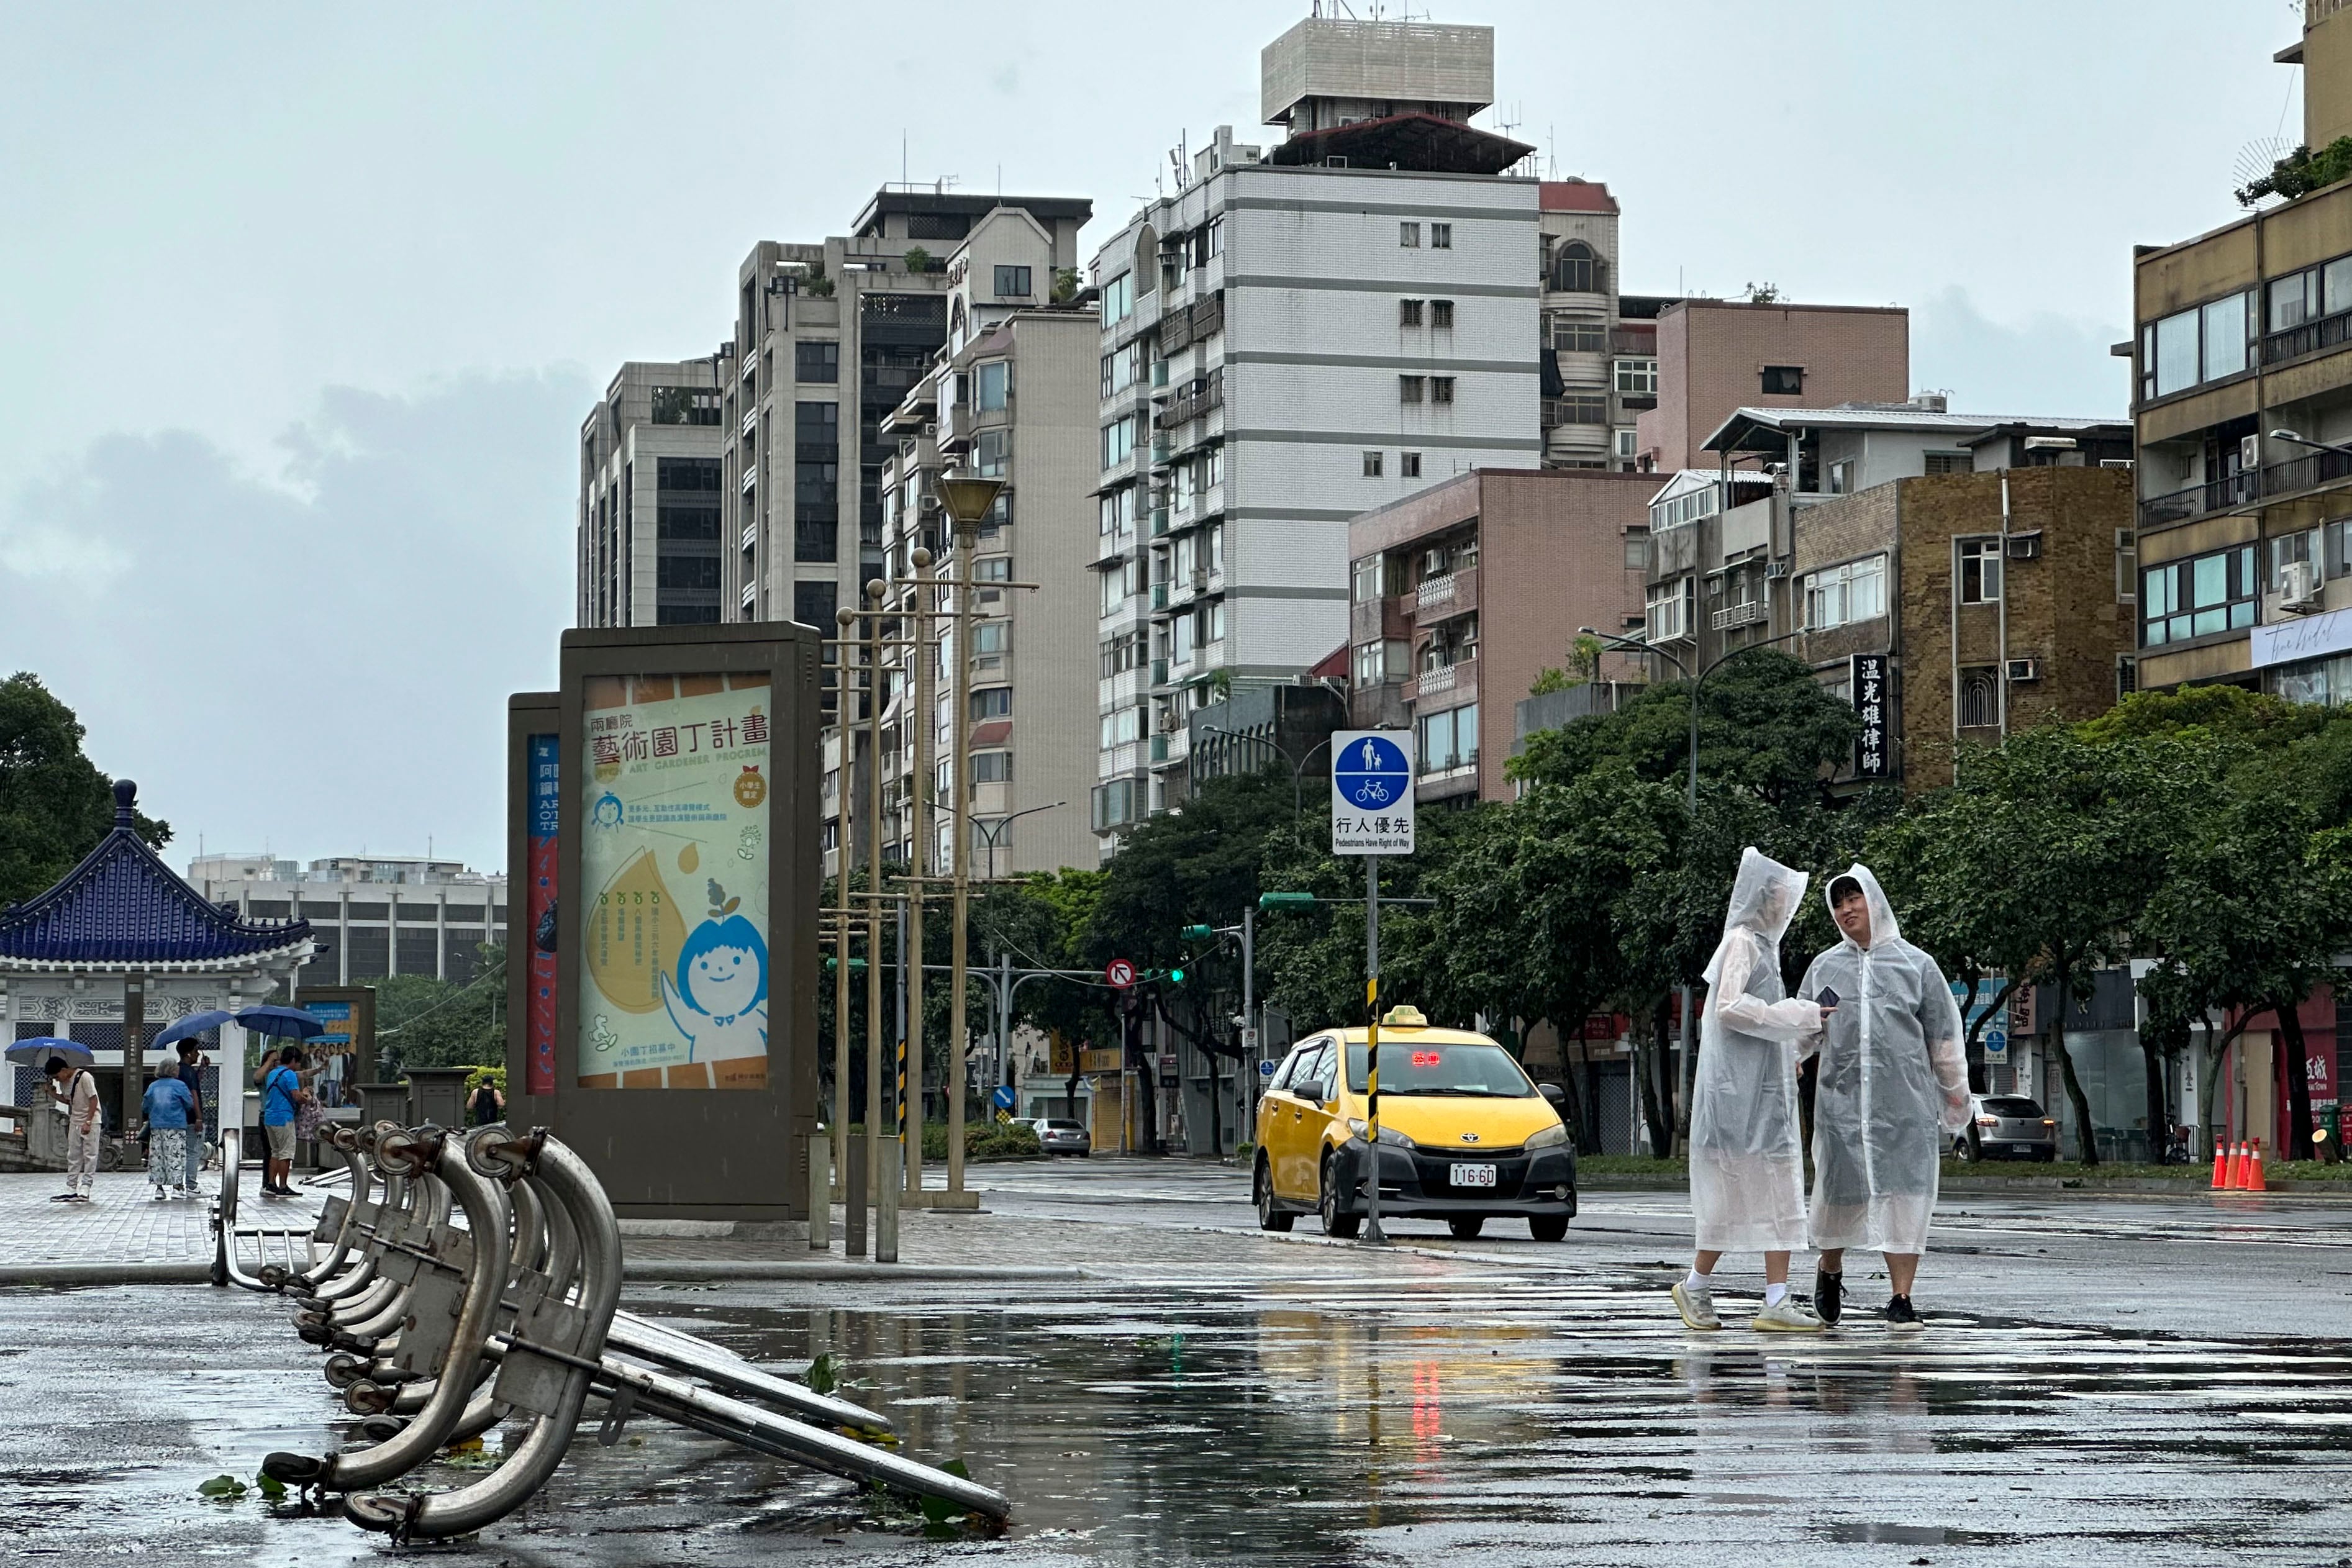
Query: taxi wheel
point(1261, 1191)
point(1467, 1227)
point(1345, 1227)
point(1547, 1228)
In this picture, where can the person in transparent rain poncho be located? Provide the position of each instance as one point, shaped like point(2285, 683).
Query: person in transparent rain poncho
point(1746, 1164)
point(1891, 1090)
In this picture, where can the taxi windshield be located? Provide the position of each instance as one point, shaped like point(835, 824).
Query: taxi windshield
point(1479, 1070)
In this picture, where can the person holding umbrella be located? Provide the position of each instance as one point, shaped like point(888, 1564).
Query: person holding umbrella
point(282, 1096)
point(191, 1072)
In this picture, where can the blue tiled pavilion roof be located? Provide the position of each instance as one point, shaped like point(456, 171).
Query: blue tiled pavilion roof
point(123, 906)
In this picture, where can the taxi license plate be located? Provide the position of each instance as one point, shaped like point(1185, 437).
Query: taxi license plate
point(1473, 1176)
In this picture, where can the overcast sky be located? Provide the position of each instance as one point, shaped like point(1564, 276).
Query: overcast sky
point(300, 307)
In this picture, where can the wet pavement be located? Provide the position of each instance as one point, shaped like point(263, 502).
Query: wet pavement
point(1208, 1395)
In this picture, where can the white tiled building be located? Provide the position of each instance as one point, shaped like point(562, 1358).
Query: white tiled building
point(1295, 336)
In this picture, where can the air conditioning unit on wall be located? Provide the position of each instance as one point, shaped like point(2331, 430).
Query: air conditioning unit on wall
point(2025, 547)
point(2298, 587)
point(2022, 670)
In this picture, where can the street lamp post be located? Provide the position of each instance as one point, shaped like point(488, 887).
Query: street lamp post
point(992, 834)
point(1690, 798)
point(968, 497)
point(1298, 766)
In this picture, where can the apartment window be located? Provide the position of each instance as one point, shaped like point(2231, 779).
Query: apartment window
point(993, 568)
point(817, 424)
point(1589, 407)
point(1842, 594)
point(1949, 462)
point(992, 637)
point(2126, 675)
point(1411, 389)
point(1783, 381)
point(2126, 566)
point(1441, 237)
point(1409, 235)
point(1841, 477)
point(1441, 314)
point(1408, 312)
point(1669, 610)
point(1118, 299)
point(992, 702)
point(1627, 441)
point(1980, 571)
point(688, 522)
point(2302, 549)
point(2339, 547)
point(688, 572)
point(1574, 270)
point(1118, 440)
point(992, 766)
point(1121, 727)
point(1448, 741)
point(1371, 577)
point(687, 474)
point(813, 605)
point(1440, 389)
point(1579, 337)
point(685, 406)
point(2198, 345)
point(1637, 550)
point(1979, 697)
point(2198, 596)
point(1012, 283)
point(1115, 513)
point(1409, 464)
point(1637, 378)
point(1122, 367)
point(1371, 464)
point(991, 382)
point(817, 362)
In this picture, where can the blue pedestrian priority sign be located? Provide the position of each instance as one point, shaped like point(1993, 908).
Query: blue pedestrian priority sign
point(1372, 792)
point(1265, 1069)
point(1003, 1097)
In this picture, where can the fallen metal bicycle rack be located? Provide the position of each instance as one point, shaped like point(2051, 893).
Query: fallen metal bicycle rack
point(473, 1276)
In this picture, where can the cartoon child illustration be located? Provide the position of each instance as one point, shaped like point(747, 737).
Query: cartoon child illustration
point(719, 1002)
point(607, 813)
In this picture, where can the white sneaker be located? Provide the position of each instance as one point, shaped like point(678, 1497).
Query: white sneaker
point(1696, 1304)
point(1791, 1316)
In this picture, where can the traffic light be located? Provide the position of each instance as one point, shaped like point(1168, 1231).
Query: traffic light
point(1285, 900)
point(1176, 974)
point(856, 965)
point(1199, 933)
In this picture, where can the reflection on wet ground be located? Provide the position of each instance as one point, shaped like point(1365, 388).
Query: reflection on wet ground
point(1323, 1413)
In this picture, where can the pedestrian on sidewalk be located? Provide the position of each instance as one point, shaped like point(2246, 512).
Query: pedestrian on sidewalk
point(191, 1072)
point(1891, 1090)
point(282, 1095)
point(77, 1091)
point(489, 1105)
point(1747, 1162)
point(169, 1108)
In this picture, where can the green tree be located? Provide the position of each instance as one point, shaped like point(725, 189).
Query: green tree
point(55, 805)
point(424, 1022)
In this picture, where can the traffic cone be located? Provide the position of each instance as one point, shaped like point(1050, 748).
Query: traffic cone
point(2254, 1182)
point(2221, 1166)
point(2237, 1177)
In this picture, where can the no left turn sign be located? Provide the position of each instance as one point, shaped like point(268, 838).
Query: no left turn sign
point(1120, 973)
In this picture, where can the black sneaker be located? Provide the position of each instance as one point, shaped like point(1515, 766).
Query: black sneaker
point(1900, 1315)
point(1829, 1295)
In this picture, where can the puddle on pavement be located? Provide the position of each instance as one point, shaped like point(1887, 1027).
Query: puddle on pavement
point(1483, 1415)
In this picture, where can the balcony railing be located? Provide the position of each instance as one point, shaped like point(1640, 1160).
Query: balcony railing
point(2308, 338)
point(1452, 593)
point(2232, 490)
point(1752, 614)
point(2303, 472)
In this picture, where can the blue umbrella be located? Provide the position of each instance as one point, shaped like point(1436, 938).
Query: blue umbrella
point(194, 1024)
point(39, 1050)
point(291, 1022)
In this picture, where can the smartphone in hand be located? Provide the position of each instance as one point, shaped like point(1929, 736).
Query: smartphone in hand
point(1828, 997)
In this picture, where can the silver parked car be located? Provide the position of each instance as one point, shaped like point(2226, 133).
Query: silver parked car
point(1062, 1137)
point(2005, 1127)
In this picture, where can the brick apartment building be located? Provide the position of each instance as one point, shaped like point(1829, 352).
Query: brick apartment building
point(1716, 356)
point(1463, 593)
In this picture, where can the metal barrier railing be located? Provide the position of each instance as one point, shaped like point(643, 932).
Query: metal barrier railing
point(481, 1284)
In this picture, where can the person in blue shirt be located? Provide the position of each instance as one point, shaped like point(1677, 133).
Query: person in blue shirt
point(281, 1094)
point(168, 1106)
point(192, 1073)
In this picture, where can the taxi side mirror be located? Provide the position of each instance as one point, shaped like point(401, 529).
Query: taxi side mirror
point(1554, 1094)
point(1312, 1091)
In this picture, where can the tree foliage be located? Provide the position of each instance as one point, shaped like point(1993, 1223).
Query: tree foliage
point(55, 805)
point(421, 1021)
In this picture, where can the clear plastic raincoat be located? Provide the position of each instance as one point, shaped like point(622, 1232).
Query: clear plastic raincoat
point(1893, 1086)
point(1746, 1164)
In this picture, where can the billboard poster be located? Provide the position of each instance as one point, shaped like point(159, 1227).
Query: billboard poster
point(545, 803)
point(674, 882)
point(333, 1053)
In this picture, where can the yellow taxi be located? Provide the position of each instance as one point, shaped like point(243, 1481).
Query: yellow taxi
point(1465, 1137)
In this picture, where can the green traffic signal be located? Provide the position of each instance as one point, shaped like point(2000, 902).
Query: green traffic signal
point(856, 965)
point(1176, 977)
point(1285, 900)
point(1199, 933)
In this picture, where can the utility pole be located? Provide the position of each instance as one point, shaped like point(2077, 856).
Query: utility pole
point(919, 831)
point(884, 1159)
point(844, 720)
point(1253, 1032)
point(1372, 1231)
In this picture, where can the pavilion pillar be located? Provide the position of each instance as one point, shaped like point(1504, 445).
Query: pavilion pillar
point(134, 1060)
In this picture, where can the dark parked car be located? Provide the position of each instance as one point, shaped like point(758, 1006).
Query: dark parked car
point(2005, 1127)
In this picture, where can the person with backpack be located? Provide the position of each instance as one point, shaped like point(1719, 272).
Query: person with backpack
point(282, 1096)
point(489, 1105)
point(77, 1091)
point(1892, 1088)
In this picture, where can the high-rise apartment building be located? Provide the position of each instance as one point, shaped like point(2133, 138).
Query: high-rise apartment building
point(1011, 397)
point(648, 548)
point(829, 338)
point(1294, 335)
point(1599, 371)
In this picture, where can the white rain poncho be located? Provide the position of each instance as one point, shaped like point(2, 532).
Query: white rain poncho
point(1746, 1164)
point(1893, 1086)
